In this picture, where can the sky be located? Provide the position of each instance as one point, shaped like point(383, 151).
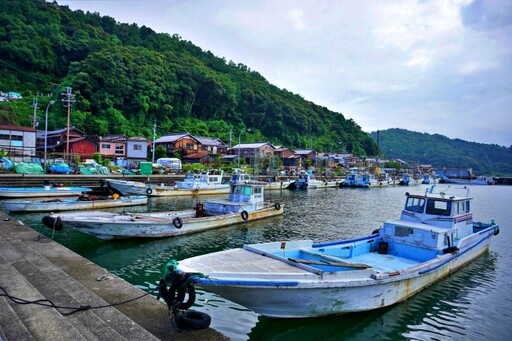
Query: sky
point(437, 67)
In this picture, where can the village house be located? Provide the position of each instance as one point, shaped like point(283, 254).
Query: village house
point(19, 143)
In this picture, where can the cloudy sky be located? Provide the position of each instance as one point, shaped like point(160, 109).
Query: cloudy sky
point(434, 66)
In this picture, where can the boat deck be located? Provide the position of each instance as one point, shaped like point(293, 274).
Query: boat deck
point(239, 261)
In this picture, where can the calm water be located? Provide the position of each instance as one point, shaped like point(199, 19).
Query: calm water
point(472, 304)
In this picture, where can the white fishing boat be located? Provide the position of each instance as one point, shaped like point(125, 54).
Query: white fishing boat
point(83, 202)
point(308, 180)
point(273, 183)
point(478, 180)
point(366, 180)
point(408, 180)
point(193, 184)
point(43, 191)
point(245, 203)
point(434, 236)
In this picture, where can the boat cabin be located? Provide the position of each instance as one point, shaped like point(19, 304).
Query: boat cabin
point(242, 197)
point(430, 224)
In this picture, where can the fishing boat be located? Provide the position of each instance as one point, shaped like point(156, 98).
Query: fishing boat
point(193, 184)
point(43, 191)
point(83, 202)
point(434, 236)
point(245, 203)
point(408, 180)
point(308, 180)
point(478, 180)
point(366, 180)
point(271, 183)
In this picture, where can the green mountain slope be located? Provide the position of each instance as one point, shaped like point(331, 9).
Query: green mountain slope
point(440, 151)
point(126, 78)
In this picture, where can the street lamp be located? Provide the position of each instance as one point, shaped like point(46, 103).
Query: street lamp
point(46, 133)
point(249, 130)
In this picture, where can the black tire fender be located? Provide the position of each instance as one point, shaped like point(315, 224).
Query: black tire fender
point(177, 222)
point(193, 320)
point(149, 191)
point(245, 215)
point(277, 206)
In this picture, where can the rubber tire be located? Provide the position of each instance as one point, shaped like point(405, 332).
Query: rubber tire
point(244, 215)
point(177, 222)
point(193, 320)
point(277, 206)
point(149, 191)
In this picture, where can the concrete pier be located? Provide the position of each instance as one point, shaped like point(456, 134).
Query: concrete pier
point(34, 267)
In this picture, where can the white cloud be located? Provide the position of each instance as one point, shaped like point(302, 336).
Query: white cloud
point(375, 61)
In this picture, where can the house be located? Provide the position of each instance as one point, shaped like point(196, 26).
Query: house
point(56, 143)
point(112, 146)
point(19, 143)
point(212, 145)
point(252, 151)
point(182, 143)
point(204, 157)
point(137, 148)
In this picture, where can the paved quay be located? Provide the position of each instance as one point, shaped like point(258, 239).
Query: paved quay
point(34, 267)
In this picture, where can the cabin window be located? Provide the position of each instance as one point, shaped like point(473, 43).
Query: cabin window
point(258, 190)
point(137, 147)
point(415, 204)
point(402, 231)
point(468, 207)
point(105, 146)
point(461, 207)
point(247, 190)
point(436, 207)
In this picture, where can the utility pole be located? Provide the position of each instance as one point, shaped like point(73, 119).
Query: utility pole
point(34, 120)
point(68, 98)
point(154, 138)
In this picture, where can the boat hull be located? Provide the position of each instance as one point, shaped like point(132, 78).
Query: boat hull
point(158, 225)
point(40, 192)
point(71, 204)
point(136, 188)
point(304, 295)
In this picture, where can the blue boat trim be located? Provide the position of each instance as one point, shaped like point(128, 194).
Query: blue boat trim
point(209, 281)
point(457, 255)
point(345, 241)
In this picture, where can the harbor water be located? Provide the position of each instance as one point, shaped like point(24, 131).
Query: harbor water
point(471, 304)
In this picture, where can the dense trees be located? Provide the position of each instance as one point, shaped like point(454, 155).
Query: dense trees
point(440, 151)
point(127, 77)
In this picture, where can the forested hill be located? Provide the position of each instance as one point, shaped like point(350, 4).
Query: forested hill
point(127, 77)
point(440, 151)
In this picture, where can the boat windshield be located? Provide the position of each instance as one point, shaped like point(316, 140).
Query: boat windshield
point(415, 204)
point(437, 207)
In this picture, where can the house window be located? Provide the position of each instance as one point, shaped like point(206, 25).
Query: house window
point(11, 137)
point(105, 146)
point(137, 147)
point(119, 150)
point(190, 146)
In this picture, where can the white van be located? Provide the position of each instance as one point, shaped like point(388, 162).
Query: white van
point(170, 162)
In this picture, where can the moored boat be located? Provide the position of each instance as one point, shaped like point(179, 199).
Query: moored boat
point(479, 180)
point(43, 191)
point(434, 236)
point(308, 180)
point(83, 202)
point(193, 184)
point(244, 203)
